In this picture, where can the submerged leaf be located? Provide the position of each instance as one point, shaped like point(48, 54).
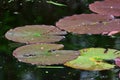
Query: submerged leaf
point(93, 59)
point(55, 3)
point(50, 66)
point(44, 54)
point(89, 23)
point(35, 34)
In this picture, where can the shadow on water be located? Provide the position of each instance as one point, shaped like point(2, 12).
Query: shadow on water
point(19, 13)
point(75, 42)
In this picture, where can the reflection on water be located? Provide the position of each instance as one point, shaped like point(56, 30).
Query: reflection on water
point(18, 13)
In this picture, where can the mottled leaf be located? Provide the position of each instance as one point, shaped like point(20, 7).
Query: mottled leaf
point(44, 54)
point(93, 59)
point(35, 34)
point(107, 7)
point(89, 24)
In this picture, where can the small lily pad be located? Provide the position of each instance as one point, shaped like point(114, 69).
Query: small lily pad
point(35, 34)
point(93, 59)
point(44, 54)
point(117, 61)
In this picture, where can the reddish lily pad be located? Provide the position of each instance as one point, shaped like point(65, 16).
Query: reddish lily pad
point(117, 61)
point(89, 23)
point(44, 54)
point(35, 34)
point(112, 0)
point(107, 7)
point(94, 59)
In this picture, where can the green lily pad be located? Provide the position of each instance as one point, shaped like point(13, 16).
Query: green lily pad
point(44, 54)
point(35, 34)
point(94, 59)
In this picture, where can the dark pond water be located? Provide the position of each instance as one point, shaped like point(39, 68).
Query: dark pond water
point(20, 13)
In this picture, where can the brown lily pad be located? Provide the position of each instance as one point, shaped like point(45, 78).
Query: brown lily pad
point(35, 34)
point(107, 7)
point(44, 54)
point(89, 23)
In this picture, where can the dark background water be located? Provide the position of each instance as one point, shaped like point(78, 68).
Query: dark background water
point(20, 12)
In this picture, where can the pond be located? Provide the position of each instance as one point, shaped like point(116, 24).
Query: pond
point(37, 12)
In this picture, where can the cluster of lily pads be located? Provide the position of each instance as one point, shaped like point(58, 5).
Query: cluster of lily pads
point(41, 49)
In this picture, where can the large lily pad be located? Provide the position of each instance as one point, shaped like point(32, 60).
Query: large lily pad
point(44, 54)
point(89, 23)
point(35, 34)
point(94, 59)
point(107, 7)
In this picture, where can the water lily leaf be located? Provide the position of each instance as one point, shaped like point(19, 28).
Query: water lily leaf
point(89, 23)
point(107, 7)
point(44, 54)
point(35, 34)
point(93, 59)
point(117, 61)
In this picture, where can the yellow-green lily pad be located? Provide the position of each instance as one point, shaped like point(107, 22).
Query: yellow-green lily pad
point(35, 34)
point(44, 54)
point(94, 59)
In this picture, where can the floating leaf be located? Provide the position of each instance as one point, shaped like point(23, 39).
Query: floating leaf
point(44, 54)
point(117, 61)
point(107, 7)
point(93, 59)
point(35, 34)
point(89, 23)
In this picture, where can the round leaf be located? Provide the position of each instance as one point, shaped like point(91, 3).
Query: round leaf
point(44, 54)
point(35, 34)
point(89, 23)
point(94, 59)
point(107, 7)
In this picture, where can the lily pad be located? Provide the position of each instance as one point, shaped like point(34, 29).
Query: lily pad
point(44, 54)
point(35, 34)
point(107, 7)
point(117, 61)
point(93, 59)
point(89, 24)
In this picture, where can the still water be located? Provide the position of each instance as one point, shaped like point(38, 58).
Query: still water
point(20, 13)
